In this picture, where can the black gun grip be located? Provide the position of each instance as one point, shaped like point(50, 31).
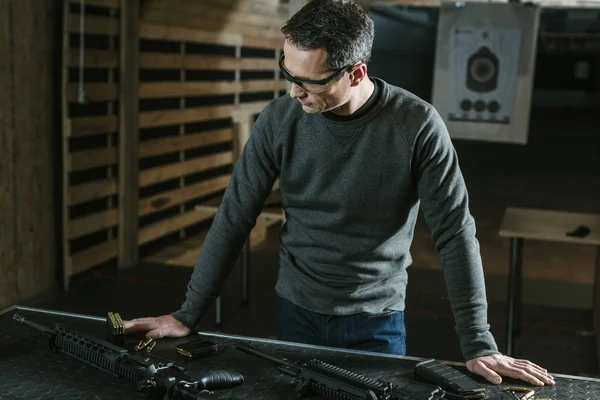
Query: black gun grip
point(220, 380)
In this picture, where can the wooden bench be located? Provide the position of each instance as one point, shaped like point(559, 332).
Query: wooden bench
point(520, 224)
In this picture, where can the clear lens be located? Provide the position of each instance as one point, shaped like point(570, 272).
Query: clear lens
point(314, 88)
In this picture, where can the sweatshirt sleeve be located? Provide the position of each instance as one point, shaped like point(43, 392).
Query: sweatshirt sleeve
point(252, 181)
point(444, 199)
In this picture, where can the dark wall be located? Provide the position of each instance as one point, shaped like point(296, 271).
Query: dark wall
point(28, 118)
point(564, 125)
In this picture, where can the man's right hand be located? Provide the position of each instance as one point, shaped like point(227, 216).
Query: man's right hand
point(157, 327)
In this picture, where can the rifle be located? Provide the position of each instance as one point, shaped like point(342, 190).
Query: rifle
point(155, 376)
point(336, 383)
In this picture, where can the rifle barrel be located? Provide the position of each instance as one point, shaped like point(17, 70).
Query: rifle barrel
point(251, 350)
point(24, 321)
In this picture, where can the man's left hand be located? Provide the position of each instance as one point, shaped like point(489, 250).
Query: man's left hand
point(497, 365)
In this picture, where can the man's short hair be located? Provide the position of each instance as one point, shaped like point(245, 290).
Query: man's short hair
point(341, 27)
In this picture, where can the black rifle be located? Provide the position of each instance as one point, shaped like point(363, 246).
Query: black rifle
point(336, 383)
point(155, 376)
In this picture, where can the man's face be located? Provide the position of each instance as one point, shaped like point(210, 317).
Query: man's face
point(311, 64)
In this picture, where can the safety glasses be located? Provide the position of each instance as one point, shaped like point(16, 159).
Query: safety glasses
point(310, 85)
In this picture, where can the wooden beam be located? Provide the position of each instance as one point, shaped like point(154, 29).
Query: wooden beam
point(173, 17)
point(94, 91)
point(160, 118)
point(92, 223)
point(85, 159)
point(179, 143)
point(205, 62)
point(129, 134)
point(161, 174)
point(93, 25)
point(178, 89)
point(172, 198)
point(93, 256)
point(99, 3)
point(85, 126)
point(91, 191)
point(151, 30)
point(217, 12)
point(173, 224)
point(188, 61)
point(184, 253)
point(95, 59)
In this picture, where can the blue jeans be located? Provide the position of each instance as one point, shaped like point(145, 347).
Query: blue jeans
point(381, 333)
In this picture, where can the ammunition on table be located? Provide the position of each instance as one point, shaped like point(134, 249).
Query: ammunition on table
point(143, 344)
point(115, 331)
point(150, 347)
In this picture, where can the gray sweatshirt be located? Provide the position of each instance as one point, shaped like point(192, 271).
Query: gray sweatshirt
point(351, 194)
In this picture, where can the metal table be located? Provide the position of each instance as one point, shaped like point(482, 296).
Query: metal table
point(29, 371)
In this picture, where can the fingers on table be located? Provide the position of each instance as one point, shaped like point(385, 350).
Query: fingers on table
point(525, 373)
point(488, 373)
point(140, 325)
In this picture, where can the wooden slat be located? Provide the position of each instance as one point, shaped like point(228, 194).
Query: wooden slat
point(129, 133)
point(184, 253)
point(161, 174)
point(259, 64)
point(99, 3)
point(95, 59)
point(253, 7)
point(161, 118)
point(178, 89)
point(175, 197)
point(91, 191)
point(201, 62)
point(179, 143)
point(150, 30)
point(262, 43)
point(94, 91)
point(549, 225)
point(93, 25)
point(92, 223)
point(85, 126)
point(214, 12)
point(187, 61)
point(173, 224)
point(93, 256)
point(92, 158)
point(175, 18)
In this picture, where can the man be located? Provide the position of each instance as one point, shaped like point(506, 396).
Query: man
point(356, 157)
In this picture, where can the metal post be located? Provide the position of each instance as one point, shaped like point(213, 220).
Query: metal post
point(245, 267)
point(515, 278)
point(218, 310)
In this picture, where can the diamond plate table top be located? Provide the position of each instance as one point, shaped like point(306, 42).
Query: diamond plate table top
point(28, 370)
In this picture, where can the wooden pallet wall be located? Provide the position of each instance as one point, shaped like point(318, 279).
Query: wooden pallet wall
point(198, 63)
point(90, 134)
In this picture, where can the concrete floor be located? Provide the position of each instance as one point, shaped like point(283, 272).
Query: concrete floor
point(558, 169)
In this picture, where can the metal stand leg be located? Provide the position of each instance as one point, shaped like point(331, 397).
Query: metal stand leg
point(597, 304)
point(245, 267)
point(218, 310)
point(515, 277)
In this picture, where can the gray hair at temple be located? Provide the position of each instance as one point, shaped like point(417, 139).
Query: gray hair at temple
point(341, 27)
